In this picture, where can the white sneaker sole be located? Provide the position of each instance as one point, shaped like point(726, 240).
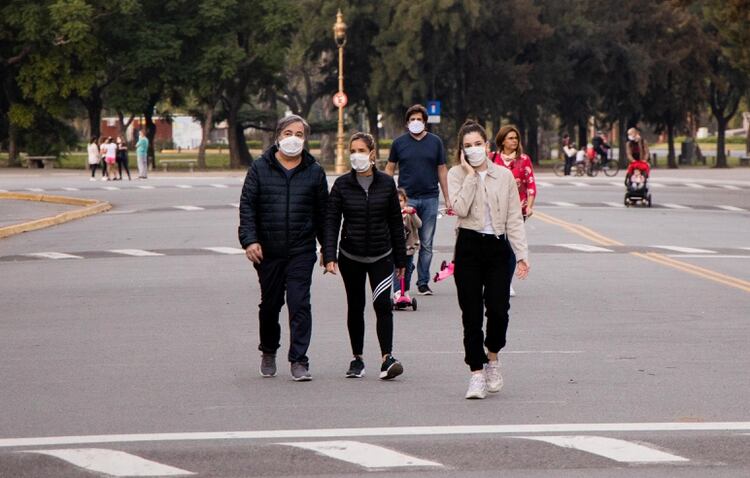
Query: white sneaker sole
point(476, 395)
point(393, 371)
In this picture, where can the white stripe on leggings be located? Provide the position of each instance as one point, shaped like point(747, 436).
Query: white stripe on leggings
point(384, 285)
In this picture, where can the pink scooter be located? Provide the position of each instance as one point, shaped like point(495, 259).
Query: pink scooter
point(446, 270)
point(403, 300)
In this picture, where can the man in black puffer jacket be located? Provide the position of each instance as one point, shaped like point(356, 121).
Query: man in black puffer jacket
point(282, 211)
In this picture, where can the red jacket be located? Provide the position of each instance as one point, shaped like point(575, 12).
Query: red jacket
point(638, 164)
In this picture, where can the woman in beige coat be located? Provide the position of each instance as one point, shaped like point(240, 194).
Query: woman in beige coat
point(490, 245)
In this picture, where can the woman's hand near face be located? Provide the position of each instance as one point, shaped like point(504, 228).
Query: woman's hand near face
point(465, 165)
point(522, 269)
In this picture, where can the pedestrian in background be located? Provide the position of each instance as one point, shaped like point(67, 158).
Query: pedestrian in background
point(141, 153)
point(490, 244)
point(420, 157)
point(601, 147)
point(412, 223)
point(282, 211)
point(122, 157)
point(372, 242)
point(636, 147)
point(93, 157)
point(569, 153)
point(110, 157)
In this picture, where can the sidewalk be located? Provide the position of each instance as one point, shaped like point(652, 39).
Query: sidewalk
point(13, 211)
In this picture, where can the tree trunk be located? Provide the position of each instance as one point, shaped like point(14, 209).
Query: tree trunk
point(151, 131)
point(207, 125)
point(721, 157)
point(582, 133)
point(13, 145)
point(532, 142)
point(238, 153)
point(245, 157)
point(622, 133)
point(372, 118)
point(124, 125)
point(93, 106)
point(327, 140)
point(671, 160)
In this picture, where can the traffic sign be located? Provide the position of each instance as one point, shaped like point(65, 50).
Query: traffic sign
point(433, 108)
point(340, 99)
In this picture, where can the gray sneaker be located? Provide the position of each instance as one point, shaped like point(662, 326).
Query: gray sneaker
point(301, 372)
point(268, 365)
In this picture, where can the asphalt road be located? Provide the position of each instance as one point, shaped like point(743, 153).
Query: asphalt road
point(147, 326)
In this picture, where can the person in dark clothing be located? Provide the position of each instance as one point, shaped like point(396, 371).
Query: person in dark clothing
point(122, 158)
point(601, 147)
point(282, 211)
point(372, 241)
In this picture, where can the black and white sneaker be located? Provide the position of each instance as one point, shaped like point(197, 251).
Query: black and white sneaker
point(356, 369)
point(391, 368)
point(424, 290)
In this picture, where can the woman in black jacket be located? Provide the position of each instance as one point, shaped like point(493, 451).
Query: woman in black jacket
point(372, 241)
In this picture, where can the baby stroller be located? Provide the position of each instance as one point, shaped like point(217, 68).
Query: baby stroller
point(637, 193)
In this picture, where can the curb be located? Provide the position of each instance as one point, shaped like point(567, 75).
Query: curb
point(90, 207)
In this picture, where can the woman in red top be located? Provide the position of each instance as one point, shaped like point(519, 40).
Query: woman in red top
point(511, 156)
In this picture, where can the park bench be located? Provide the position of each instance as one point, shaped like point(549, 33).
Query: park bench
point(166, 162)
point(744, 161)
point(36, 161)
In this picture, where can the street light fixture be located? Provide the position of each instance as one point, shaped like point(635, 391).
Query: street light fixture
point(339, 99)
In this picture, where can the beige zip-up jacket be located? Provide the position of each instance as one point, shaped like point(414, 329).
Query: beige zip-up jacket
point(469, 197)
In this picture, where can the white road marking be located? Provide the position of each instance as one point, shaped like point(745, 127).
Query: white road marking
point(3, 190)
point(731, 208)
point(675, 206)
point(563, 204)
point(686, 250)
point(580, 184)
point(220, 186)
point(225, 250)
point(235, 204)
point(584, 247)
point(184, 186)
point(730, 187)
point(383, 431)
point(617, 183)
point(363, 454)
point(110, 188)
point(545, 184)
point(709, 256)
point(145, 187)
point(189, 208)
point(615, 204)
point(53, 255)
point(614, 449)
point(135, 252)
point(695, 185)
point(35, 190)
point(71, 189)
point(112, 462)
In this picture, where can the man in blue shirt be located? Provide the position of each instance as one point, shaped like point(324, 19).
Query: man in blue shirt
point(421, 167)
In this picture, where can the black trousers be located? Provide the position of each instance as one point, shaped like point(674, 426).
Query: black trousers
point(484, 266)
point(569, 160)
point(354, 274)
point(293, 276)
point(122, 160)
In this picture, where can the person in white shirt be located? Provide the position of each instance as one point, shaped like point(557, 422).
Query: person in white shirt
point(94, 159)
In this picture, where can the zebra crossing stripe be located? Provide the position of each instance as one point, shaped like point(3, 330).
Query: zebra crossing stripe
point(71, 189)
point(225, 250)
point(189, 208)
point(110, 188)
point(363, 454)
point(585, 247)
point(235, 205)
point(676, 206)
point(612, 448)
point(145, 187)
point(686, 250)
point(53, 255)
point(732, 208)
point(545, 184)
point(112, 462)
point(135, 252)
point(220, 186)
point(580, 184)
point(616, 183)
point(615, 204)
point(35, 190)
point(563, 204)
point(695, 185)
point(184, 186)
point(730, 187)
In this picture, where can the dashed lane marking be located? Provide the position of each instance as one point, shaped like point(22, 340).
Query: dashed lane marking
point(708, 256)
point(135, 252)
point(563, 204)
point(225, 250)
point(686, 250)
point(612, 448)
point(220, 186)
point(730, 187)
point(585, 248)
point(545, 184)
point(695, 185)
point(110, 188)
point(580, 184)
point(731, 208)
point(35, 190)
point(184, 186)
point(189, 208)
point(363, 454)
point(71, 189)
point(145, 187)
point(676, 206)
point(615, 204)
point(112, 462)
point(53, 255)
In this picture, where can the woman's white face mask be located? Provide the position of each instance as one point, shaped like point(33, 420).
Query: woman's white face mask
point(291, 145)
point(475, 155)
point(360, 162)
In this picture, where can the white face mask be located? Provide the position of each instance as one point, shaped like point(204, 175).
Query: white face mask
point(631, 138)
point(416, 127)
point(360, 162)
point(475, 155)
point(291, 145)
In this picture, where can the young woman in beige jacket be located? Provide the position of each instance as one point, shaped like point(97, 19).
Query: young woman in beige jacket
point(490, 245)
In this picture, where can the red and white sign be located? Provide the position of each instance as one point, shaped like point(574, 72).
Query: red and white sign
point(340, 99)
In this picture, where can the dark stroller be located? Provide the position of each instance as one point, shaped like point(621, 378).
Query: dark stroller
point(637, 193)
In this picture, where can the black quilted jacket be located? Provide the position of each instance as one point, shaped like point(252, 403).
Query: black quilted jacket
point(372, 221)
point(283, 214)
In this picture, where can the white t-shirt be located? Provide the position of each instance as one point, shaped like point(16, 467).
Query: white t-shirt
point(111, 149)
point(487, 217)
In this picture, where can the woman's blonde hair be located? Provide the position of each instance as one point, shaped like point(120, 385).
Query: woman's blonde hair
point(500, 137)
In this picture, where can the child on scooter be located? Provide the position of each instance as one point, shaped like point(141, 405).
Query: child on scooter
point(412, 223)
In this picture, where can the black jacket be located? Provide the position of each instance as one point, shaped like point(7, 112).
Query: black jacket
point(372, 220)
point(284, 214)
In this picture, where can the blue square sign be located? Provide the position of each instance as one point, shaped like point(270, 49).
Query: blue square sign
point(433, 108)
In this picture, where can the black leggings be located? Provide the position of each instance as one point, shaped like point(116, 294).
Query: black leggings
point(354, 274)
point(123, 162)
point(94, 167)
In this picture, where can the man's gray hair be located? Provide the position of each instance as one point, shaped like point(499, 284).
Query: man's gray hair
point(287, 120)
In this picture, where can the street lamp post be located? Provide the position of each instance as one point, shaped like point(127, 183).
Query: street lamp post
point(339, 34)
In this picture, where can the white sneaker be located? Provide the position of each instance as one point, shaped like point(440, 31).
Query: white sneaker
point(493, 376)
point(92, 179)
point(477, 386)
point(396, 295)
point(512, 291)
